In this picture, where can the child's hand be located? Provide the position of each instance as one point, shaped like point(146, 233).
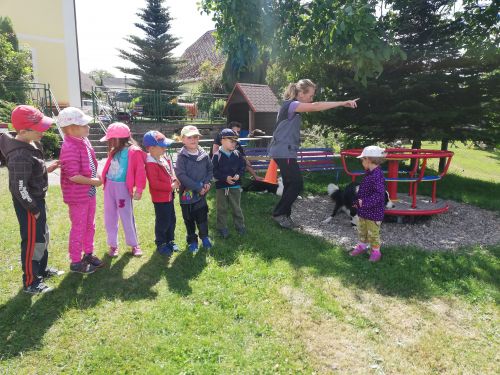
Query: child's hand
point(207, 187)
point(236, 177)
point(175, 185)
point(229, 180)
point(137, 196)
point(53, 166)
point(96, 182)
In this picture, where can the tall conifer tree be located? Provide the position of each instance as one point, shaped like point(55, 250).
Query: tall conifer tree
point(155, 67)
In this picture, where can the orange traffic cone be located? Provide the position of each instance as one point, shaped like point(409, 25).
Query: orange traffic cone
point(272, 173)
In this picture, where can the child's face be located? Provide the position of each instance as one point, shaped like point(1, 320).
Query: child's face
point(31, 135)
point(367, 163)
point(229, 144)
point(77, 130)
point(156, 151)
point(114, 142)
point(191, 142)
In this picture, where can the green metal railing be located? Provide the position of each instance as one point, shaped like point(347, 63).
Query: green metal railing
point(38, 95)
point(157, 106)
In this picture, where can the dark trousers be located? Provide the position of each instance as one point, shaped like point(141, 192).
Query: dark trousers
point(194, 215)
point(292, 185)
point(34, 242)
point(164, 222)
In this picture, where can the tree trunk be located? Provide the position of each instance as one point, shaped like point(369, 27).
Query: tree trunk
point(442, 161)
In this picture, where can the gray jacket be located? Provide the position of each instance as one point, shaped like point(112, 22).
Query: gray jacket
point(193, 171)
point(286, 136)
point(28, 179)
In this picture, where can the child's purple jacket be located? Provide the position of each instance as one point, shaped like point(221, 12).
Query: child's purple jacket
point(372, 193)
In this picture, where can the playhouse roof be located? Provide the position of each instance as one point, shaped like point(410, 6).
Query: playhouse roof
point(259, 98)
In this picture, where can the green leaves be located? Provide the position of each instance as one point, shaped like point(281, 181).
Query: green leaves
point(353, 36)
point(244, 33)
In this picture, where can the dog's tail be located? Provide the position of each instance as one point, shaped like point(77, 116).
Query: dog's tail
point(332, 188)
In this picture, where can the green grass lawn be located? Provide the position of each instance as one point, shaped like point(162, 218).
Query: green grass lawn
point(273, 301)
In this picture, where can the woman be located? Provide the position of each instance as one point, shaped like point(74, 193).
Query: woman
point(286, 142)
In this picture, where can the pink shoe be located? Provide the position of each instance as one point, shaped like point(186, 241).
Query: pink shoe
point(360, 248)
point(113, 252)
point(375, 256)
point(136, 251)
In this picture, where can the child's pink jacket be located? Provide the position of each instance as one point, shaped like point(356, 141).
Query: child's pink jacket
point(136, 170)
point(75, 161)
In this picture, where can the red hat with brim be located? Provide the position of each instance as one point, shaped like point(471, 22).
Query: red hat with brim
point(26, 117)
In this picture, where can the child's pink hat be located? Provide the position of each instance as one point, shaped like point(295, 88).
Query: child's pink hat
point(116, 130)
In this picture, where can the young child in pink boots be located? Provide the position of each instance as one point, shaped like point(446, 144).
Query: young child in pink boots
point(78, 184)
point(124, 179)
point(371, 203)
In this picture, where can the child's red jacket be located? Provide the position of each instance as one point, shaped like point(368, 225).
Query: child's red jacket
point(160, 178)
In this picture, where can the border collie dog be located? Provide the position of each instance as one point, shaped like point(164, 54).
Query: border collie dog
point(265, 187)
point(344, 200)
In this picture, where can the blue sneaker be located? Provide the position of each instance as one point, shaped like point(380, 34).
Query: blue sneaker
point(165, 249)
point(174, 246)
point(206, 242)
point(193, 247)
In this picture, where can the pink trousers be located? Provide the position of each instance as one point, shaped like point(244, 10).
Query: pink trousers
point(81, 235)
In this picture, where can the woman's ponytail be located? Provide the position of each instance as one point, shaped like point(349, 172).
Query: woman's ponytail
point(294, 88)
point(290, 92)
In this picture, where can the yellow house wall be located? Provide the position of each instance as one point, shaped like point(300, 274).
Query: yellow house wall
point(48, 29)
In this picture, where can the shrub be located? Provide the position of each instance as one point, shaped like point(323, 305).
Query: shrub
point(51, 144)
point(5, 110)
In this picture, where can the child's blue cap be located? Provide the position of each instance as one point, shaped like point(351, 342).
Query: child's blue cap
point(155, 138)
point(228, 133)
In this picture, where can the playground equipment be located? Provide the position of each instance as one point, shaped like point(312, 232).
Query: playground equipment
point(408, 204)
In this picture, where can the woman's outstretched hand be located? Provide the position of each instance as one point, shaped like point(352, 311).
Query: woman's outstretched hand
point(351, 103)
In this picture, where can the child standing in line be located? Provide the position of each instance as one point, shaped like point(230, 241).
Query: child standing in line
point(229, 166)
point(124, 179)
point(28, 184)
point(194, 171)
point(78, 184)
point(371, 203)
point(162, 183)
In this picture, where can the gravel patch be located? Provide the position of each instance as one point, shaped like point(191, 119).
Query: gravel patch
point(463, 225)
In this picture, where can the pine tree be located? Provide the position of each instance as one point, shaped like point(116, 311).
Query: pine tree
point(155, 67)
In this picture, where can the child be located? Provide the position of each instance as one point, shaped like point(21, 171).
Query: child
point(194, 172)
point(370, 203)
point(229, 165)
point(78, 184)
point(162, 183)
point(123, 172)
point(28, 183)
point(235, 126)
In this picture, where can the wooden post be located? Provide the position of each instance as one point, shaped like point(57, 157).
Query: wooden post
point(251, 121)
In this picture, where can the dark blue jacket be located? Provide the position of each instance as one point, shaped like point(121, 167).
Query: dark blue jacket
point(225, 166)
